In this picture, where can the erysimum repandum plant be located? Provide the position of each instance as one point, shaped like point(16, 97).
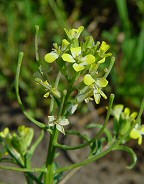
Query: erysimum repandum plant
point(81, 77)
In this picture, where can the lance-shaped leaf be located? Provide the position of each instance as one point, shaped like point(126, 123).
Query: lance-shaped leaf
point(72, 108)
point(131, 152)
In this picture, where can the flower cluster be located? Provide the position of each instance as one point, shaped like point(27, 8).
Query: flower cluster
point(76, 58)
point(123, 121)
point(80, 62)
point(19, 141)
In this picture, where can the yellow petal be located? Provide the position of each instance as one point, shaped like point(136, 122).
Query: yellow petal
point(102, 60)
point(76, 51)
point(140, 140)
point(65, 42)
point(68, 58)
point(78, 67)
point(142, 129)
point(50, 57)
point(46, 95)
point(4, 133)
point(88, 80)
point(97, 98)
point(133, 115)
point(104, 46)
point(102, 82)
point(134, 134)
point(89, 59)
point(127, 111)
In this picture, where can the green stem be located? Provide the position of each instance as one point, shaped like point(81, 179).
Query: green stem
point(52, 98)
point(28, 165)
point(65, 147)
point(49, 177)
point(58, 13)
point(39, 124)
point(110, 67)
point(28, 179)
point(69, 91)
point(22, 168)
point(28, 170)
point(123, 13)
point(111, 148)
point(36, 43)
point(86, 161)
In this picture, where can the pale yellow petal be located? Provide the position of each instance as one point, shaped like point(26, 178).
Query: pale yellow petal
point(78, 67)
point(75, 51)
point(50, 57)
point(88, 80)
point(68, 58)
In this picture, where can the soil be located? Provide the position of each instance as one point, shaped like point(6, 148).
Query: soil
point(110, 169)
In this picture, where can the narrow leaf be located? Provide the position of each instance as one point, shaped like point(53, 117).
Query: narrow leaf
point(131, 152)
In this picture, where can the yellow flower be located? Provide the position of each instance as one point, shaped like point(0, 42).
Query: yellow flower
point(97, 85)
point(75, 57)
point(4, 133)
point(137, 133)
point(104, 47)
point(74, 33)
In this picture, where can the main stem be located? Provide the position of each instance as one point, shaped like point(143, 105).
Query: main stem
point(28, 179)
point(49, 177)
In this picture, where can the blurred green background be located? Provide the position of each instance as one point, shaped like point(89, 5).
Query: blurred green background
point(118, 22)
